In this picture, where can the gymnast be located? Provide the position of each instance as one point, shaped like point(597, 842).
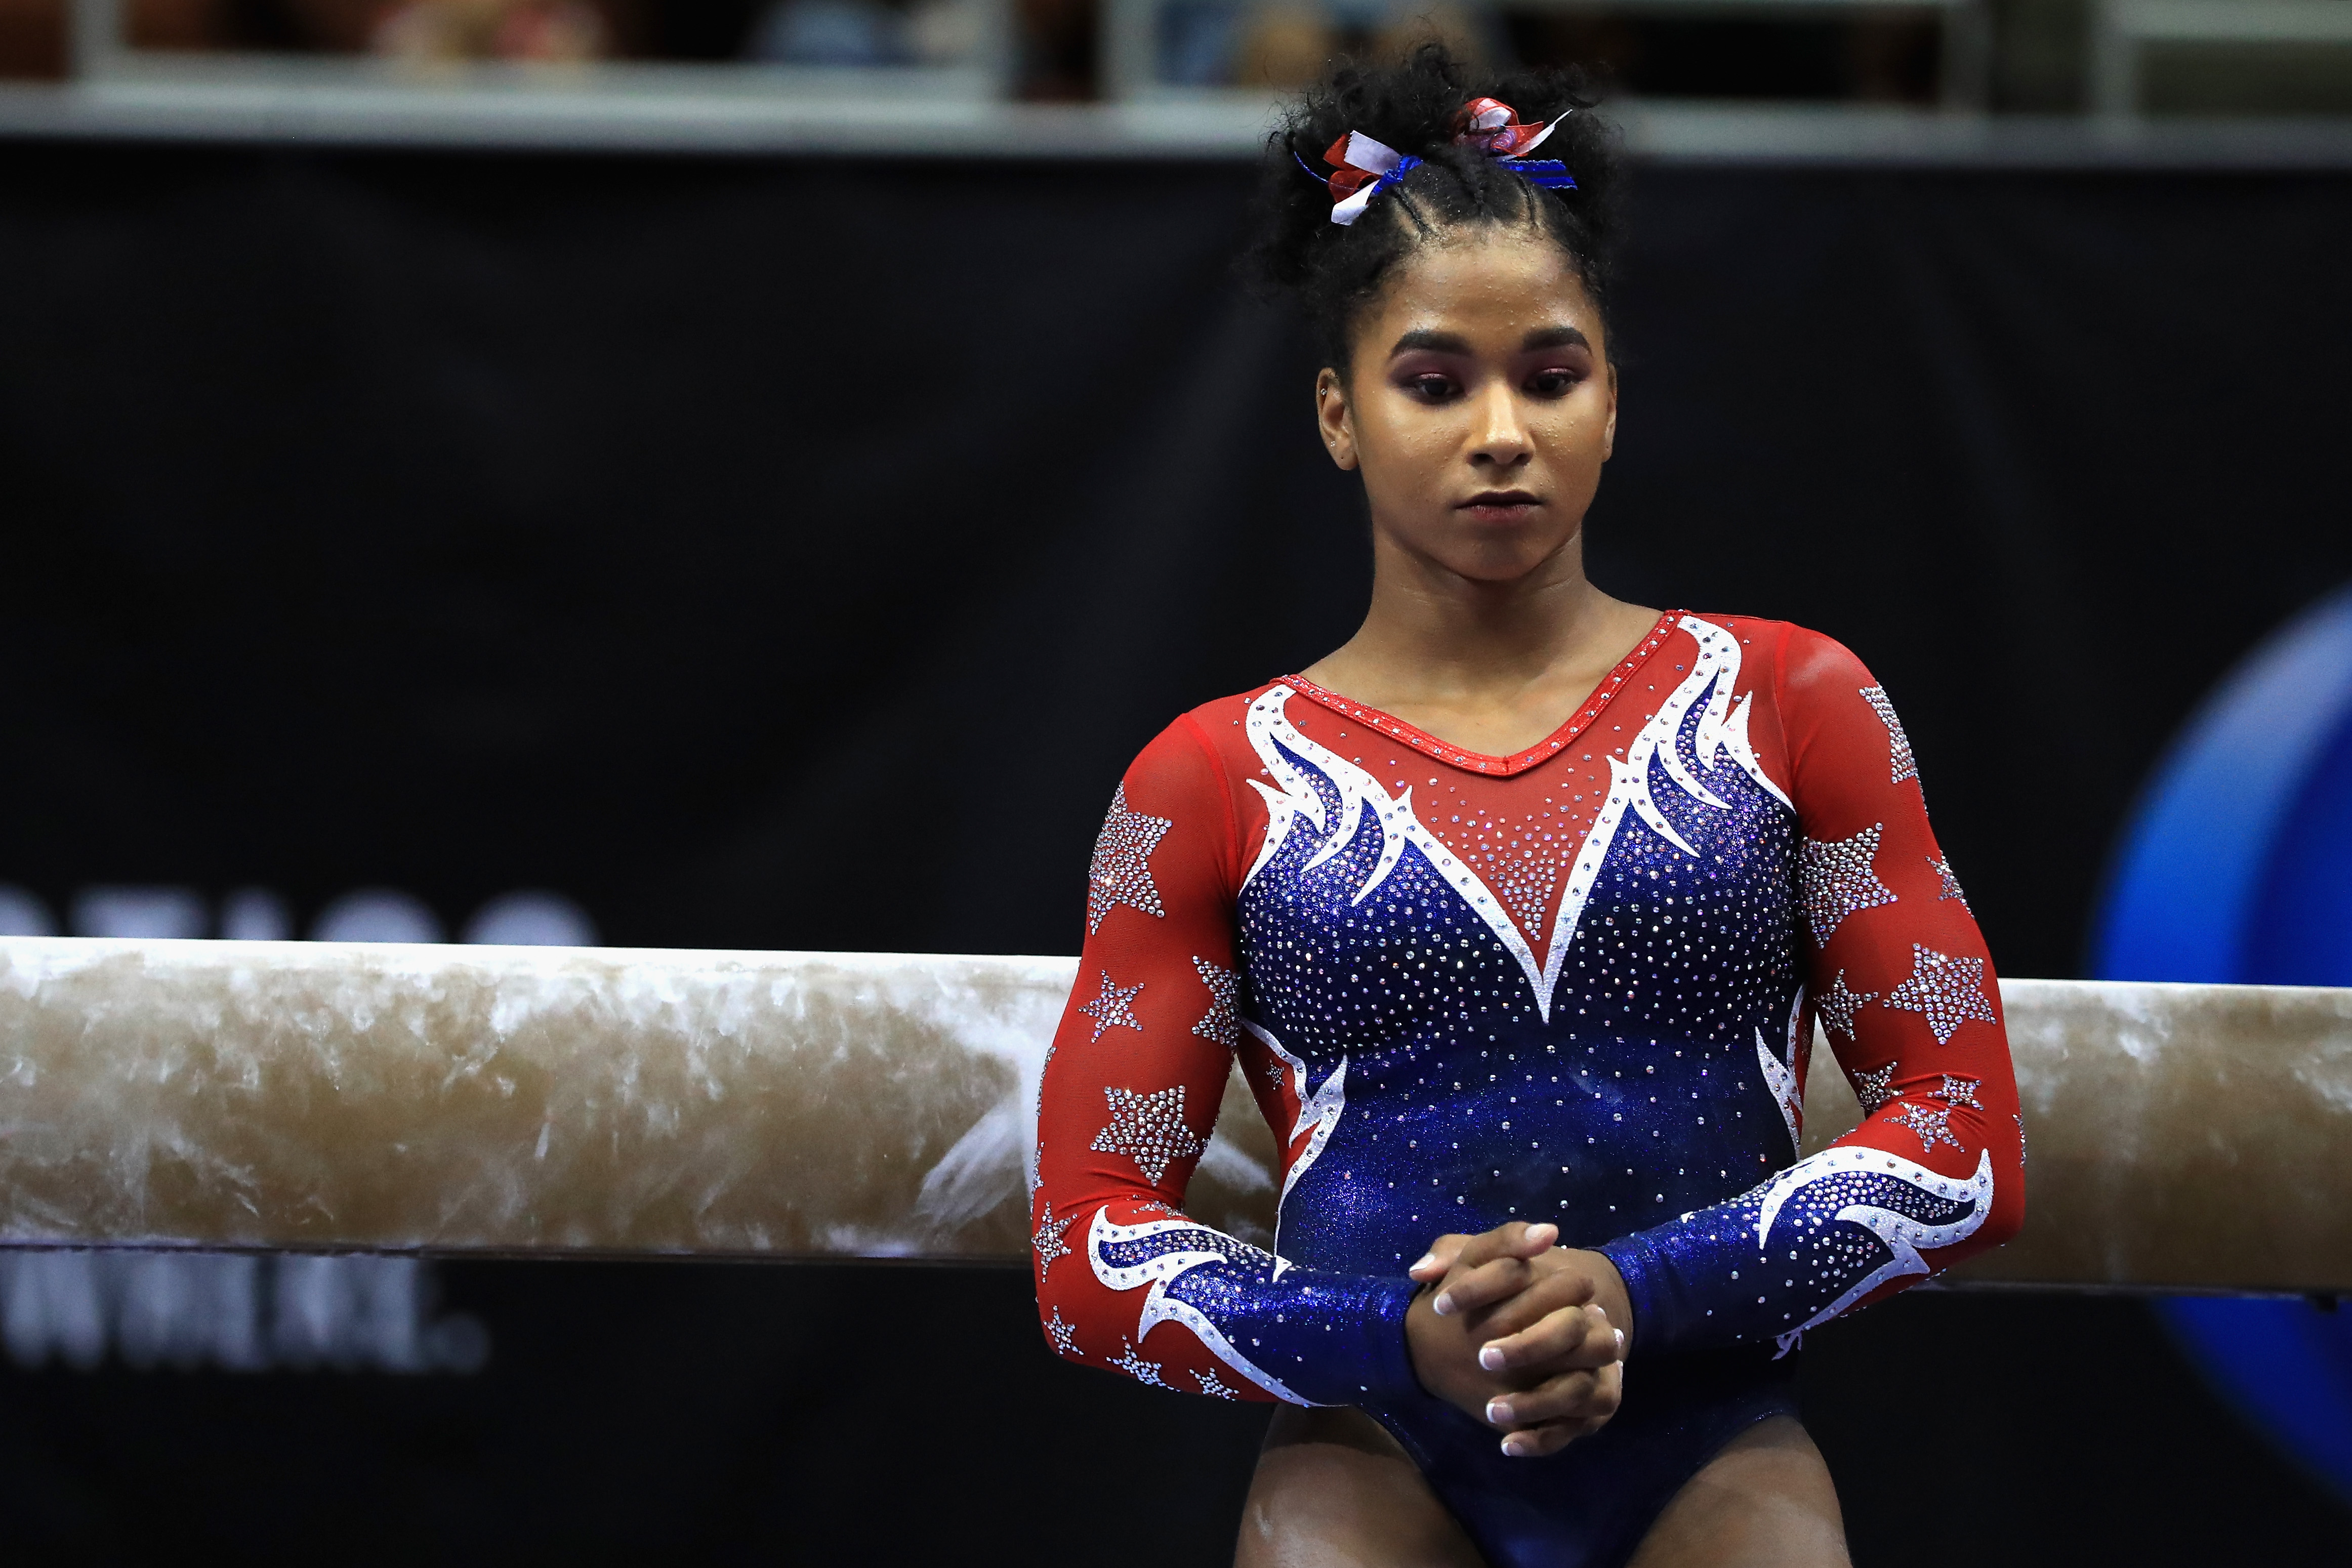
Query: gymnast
point(1518, 911)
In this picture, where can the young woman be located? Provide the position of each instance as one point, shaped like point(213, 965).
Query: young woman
point(1518, 910)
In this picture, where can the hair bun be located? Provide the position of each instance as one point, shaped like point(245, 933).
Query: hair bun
point(1422, 106)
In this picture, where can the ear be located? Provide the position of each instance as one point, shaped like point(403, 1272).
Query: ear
point(1331, 417)
point(1609, 432)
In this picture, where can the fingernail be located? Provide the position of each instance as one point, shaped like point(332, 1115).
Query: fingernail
point(1491, 1358)
point(1621, 1340)
point(1545, 1232)
point(1443, 1306)
point(1425, 1260)
point(1514, 1447)
point(1498, 1411)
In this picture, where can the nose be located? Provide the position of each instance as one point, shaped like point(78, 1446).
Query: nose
point(1500, 436)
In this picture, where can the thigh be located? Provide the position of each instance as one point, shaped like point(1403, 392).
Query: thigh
point(1765, 1502)
point(1334, 1490)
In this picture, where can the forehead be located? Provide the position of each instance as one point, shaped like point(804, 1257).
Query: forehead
point(1483, 278)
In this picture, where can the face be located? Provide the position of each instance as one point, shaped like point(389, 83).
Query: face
point(1480, 404)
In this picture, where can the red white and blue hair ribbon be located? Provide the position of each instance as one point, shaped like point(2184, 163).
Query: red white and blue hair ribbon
point(1367, 167)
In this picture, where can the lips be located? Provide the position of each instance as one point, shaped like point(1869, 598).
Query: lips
point(1499, 506)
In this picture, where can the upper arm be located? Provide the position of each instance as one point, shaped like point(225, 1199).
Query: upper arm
point(1899, 973)
point(1140, 1062)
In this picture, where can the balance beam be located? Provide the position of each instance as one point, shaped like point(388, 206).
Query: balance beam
point(657, 1102)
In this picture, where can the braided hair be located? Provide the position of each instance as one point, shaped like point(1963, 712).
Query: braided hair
point(1335, 272)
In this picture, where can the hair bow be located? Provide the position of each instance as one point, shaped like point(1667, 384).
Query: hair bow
point(1494, 125)
point(1367, 167)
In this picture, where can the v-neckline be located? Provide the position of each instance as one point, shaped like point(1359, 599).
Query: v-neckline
point(1482, 762)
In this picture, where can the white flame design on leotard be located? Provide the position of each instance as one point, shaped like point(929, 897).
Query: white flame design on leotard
point(1904, 1236)
point(1159, 1270)
point(1722, 730)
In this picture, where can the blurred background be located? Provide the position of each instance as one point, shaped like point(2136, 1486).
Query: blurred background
point(2115, 57)
point(748, 475)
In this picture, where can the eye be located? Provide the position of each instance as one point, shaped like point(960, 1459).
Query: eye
point(1431, 386)
point(1554, 381)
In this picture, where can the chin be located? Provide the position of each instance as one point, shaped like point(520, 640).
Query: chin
point(1491, 557)
point(1495, 565)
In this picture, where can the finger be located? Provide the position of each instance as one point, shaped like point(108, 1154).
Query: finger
point(1570, 1397)
point(1482, 1286)
point(1535, 1442)
point(1439, 1260)
point(1520, 1239)
point(1544, 1295)
point(1564, 1339)
point(1516, 1239)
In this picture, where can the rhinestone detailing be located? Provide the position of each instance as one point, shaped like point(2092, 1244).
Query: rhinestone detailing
point(1950, 991)
point(1838, 1005)
point(1135, 1367)
point(1837, 880)
point(1931, 1124)
point(1478, 762)
point(1950, 884)
point(1048, 1239)
point(1221, 1023)
point(1148, 1129)
point(1899, 762)
point(1112, 1009)
point(1122, 865)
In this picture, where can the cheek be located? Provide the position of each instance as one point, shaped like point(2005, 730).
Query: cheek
point(1403, 453)
point(1578, 422)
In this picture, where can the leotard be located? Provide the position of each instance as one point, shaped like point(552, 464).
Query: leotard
point(1574, 984)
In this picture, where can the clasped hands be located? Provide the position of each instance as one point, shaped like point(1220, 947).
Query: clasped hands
point(1526, 1336)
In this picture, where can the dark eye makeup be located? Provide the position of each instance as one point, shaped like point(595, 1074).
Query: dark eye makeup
point(1436, 387)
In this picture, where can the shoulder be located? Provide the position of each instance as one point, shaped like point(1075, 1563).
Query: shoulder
point(1202, 747)
point(1222, 726)
point(1800, 664)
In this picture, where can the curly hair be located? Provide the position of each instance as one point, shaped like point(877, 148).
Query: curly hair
point(1334, 271)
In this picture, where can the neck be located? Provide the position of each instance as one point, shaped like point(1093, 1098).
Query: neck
point(1432, 634)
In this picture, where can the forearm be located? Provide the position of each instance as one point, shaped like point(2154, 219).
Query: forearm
point(1144, 1290)
point(1848, 1225)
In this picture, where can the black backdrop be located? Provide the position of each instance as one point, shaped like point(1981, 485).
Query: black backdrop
point(782, 554)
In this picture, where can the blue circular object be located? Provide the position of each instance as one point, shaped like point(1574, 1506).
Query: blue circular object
point(2236, 868)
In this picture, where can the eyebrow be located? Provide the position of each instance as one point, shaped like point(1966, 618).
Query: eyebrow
point(1431, 339)
point(1556, 338)
point(1437, 341)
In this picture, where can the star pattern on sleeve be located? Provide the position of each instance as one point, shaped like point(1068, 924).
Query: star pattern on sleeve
point(1111, 1009)
point(1048, 1240)
point(1837, 1005)
point(2021, 1138)
point(1874, 1087)
point(1135, 1367)
point(1064, 1336)
point(1951, 884)
point(1959, 1092)
point(1837, 880)
point(1221, 1023)
point(1950, 991)
point(1213, 1387)
point(1150, 1128)
point(1037, 1166)
point(1930, 1124)
point(1122, 866)
point(1899, 764)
